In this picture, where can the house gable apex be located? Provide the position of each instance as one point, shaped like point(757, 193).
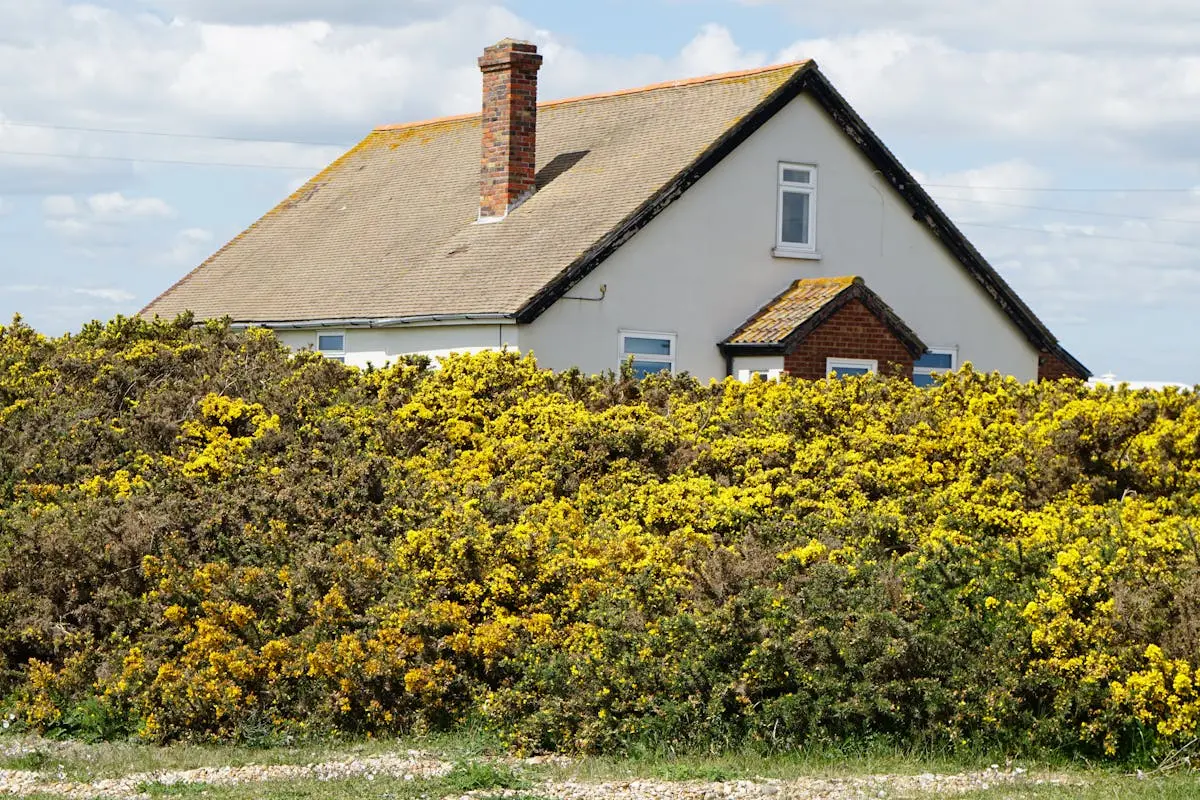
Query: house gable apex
point(809, 80)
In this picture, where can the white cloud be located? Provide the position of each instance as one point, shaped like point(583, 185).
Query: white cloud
point(59, 205)
point(114, 206)
point(1141, 102)
point(114, 296)
point(107, 295)
point(188, 247)
point(714, 50)
point(275, 11)
point(986, 193)
point(98, 219)
point(1109, 25)
point(1074, 270)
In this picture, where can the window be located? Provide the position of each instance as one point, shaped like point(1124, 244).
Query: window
point(747, 375)
point(796, 232)
point(332, 345)
point(841, 367)
point(936, 359)
point(652, 352)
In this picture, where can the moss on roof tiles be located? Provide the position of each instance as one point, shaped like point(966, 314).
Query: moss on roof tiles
point(804, 298)
point(388, 229)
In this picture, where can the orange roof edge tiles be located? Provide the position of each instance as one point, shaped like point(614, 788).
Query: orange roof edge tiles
point(673, 84)
point(791, 308)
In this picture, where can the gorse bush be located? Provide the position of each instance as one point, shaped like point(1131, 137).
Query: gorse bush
point(204, 535)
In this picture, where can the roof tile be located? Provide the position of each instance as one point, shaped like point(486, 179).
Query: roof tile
point(775, 321)
point(389, 229)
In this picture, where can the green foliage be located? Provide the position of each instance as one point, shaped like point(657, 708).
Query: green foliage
point(31, 760)
point(202, 535)
point(470, 776)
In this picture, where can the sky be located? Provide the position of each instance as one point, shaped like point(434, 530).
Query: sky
point(138, 136)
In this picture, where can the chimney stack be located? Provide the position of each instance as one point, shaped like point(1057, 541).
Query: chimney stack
point(507, 168)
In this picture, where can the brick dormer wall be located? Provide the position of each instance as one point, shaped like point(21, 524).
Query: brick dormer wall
point(1051, 367)
point(851, 332)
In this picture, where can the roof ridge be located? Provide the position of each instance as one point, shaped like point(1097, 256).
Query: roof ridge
point(671, 84)
point(678, 83)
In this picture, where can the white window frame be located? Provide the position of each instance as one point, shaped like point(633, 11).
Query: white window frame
point(941, 351)
point(336, 355)
point(624, 334)
point(796, 249)
point(747, 375)
point(870, 364)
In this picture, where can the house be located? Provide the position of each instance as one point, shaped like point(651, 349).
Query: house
point(733, 224)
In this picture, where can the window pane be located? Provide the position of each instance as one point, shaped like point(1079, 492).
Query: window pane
point(797, 175)
point(922, 380)
point(331, 342)
point(643, 368)
point(842, 372)
point(795, 217)
point(647, 347)
point(935, 361)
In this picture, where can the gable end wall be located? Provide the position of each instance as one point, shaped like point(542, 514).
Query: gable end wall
point(705, 264)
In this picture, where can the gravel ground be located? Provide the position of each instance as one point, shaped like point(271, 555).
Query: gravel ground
point(409, 766)
point(413, 765)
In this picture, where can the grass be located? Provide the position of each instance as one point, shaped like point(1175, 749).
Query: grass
point(470, 776)
point(832, 761)
point(476, 771)
point(1161, 787)
point(87, 762)
point(31, 760)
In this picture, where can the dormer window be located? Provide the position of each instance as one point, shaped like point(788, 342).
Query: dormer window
point(796, 226)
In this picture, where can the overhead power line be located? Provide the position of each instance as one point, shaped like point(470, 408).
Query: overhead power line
point(1076, 234)
point(143, 160)
point(1068, 190)
point(165, 134)
point(1082, 211)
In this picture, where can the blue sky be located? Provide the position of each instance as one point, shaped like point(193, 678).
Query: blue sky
point(1062, 139)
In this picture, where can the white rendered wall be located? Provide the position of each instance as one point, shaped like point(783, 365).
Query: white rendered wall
point(704, 265)
point(379, 346)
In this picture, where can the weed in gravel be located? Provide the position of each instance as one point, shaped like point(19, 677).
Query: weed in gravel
point(470, 776)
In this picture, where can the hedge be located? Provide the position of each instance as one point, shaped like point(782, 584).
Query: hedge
point(203, 535)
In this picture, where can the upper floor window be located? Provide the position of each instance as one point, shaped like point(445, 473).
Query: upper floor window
point(796, 231)
point(936, 359)
point(332, 345)
point(651, 352)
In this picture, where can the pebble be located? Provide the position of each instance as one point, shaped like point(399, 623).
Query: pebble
point(415, 764)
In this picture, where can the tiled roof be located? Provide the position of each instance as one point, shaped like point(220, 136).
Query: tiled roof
point(389, 229)
point(802, 307)
point(779, 318)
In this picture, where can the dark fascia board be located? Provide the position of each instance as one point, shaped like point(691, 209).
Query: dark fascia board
point(1074, 363)
point(855, 291)
point(925, 211)
point(664, 197)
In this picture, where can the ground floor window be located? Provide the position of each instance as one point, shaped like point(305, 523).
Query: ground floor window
point(841, 367)
point(332, 345)
point(936, 359)
point(651, 352)
point(747, 375)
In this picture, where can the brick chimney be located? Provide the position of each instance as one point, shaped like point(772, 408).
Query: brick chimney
point(507, 168)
